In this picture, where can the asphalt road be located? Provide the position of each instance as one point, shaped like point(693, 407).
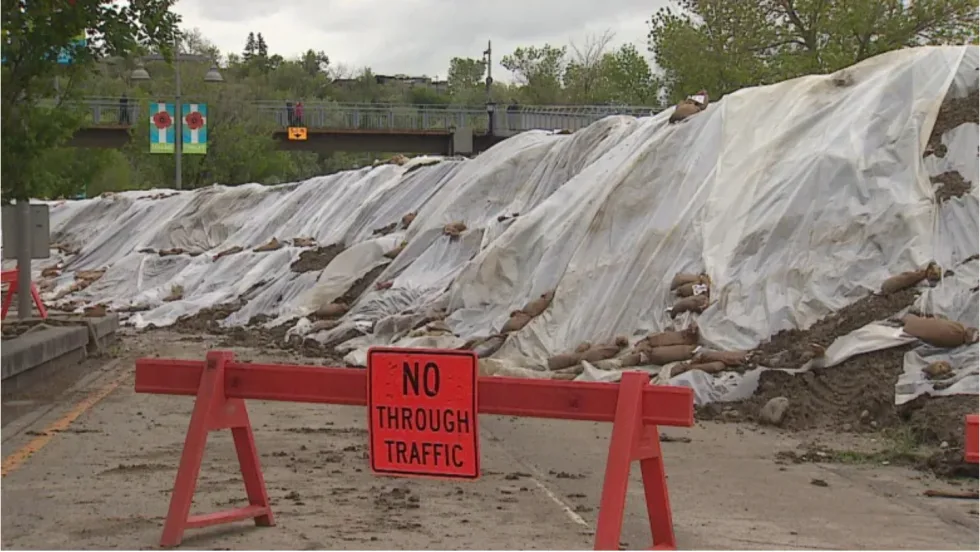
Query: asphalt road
point(91, 466)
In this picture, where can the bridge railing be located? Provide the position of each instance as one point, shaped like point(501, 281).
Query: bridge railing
point(421, 118)
point(102, 111)
point(378, 117)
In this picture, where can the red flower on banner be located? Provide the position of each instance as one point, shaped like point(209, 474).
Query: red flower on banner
point(194, 120)
point(162, 120)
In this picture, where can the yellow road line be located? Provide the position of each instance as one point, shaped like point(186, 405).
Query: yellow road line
point(17, 459)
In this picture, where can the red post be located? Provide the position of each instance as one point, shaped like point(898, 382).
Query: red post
point(633, 440)
point(214, 411)
point(971, 447)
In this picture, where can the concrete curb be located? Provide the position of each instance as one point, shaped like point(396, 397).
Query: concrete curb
point(38, 353)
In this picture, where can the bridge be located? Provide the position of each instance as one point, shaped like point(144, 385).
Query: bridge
point(359, 127)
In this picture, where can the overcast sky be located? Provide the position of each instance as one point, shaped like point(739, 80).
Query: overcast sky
point(414, 37)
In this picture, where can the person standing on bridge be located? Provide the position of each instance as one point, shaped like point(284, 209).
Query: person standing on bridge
point(299, 114)
point(124, 110)
point(289, 113)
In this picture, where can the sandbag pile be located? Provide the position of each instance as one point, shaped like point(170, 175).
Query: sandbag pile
point(588, 352)
point(693, 292)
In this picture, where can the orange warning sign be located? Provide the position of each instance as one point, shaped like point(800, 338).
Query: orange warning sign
point(296, 133)
point(422, 412)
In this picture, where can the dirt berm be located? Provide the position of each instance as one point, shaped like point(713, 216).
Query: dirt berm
point(859, 394)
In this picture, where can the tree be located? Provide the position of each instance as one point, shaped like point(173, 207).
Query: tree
point(628, 77)
point(724, 45)
point(465, 77)
point(261, 49)
point(539, 71)
point(585, 76)
point(34, 33)
point(250, 47)
point(315, 63)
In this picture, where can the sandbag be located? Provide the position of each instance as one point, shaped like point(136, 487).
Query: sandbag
point(564, 360)
point(332, 310)
point(271, 245)
point(407, 219)
point(303, 242)
point(518, 319)
point(668, 354)
point(600, 352)
point(230, 251)
point(632, 359)
point(695, 304)
point(454, 229)
point(684, 110)
point(687, 336)
point(583, 346)
point(539, 305)
point(939, 332)
point(682, 278)
point(902, 281)
point(709, 367)
point(728, 358)
point(938, 370)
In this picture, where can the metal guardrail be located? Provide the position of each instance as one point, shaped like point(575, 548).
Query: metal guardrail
point(393, 117)
point(105, 112)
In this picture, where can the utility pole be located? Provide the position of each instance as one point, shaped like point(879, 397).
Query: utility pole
point(491, 108)
point(179, 112)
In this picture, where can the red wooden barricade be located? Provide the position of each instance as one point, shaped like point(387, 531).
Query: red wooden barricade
point(635, 408)
point(971, 446)
point(11, 279)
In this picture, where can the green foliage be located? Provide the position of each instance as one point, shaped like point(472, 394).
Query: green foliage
point(725, 45)
point(33, 35)
point(718, 45)
point(539, 70)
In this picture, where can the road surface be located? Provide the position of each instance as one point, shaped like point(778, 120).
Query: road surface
point(102, 478)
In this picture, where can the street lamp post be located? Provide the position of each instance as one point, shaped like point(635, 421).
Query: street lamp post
point(212, 76)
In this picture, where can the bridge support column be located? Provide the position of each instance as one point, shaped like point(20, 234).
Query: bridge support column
point(462, 141)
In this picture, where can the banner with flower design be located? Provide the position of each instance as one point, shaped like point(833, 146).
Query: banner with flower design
point(162, 132)
point(195, 129)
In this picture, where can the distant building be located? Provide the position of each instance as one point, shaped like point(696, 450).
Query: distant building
point(405, 81)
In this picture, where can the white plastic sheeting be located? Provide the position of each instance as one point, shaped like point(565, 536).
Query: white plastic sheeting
point(796, 198)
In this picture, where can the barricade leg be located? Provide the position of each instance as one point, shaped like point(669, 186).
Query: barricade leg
point(213, 411)
point(41, 311)
point(8, 298)
point(630, 441)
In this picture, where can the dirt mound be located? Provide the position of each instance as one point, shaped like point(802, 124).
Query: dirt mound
point(357, 289)
point(208, 319)
point(953, 113)
point(849, 396)
point(791, 348)
point(859, 394)
point(951, 184)
point(316, 259)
